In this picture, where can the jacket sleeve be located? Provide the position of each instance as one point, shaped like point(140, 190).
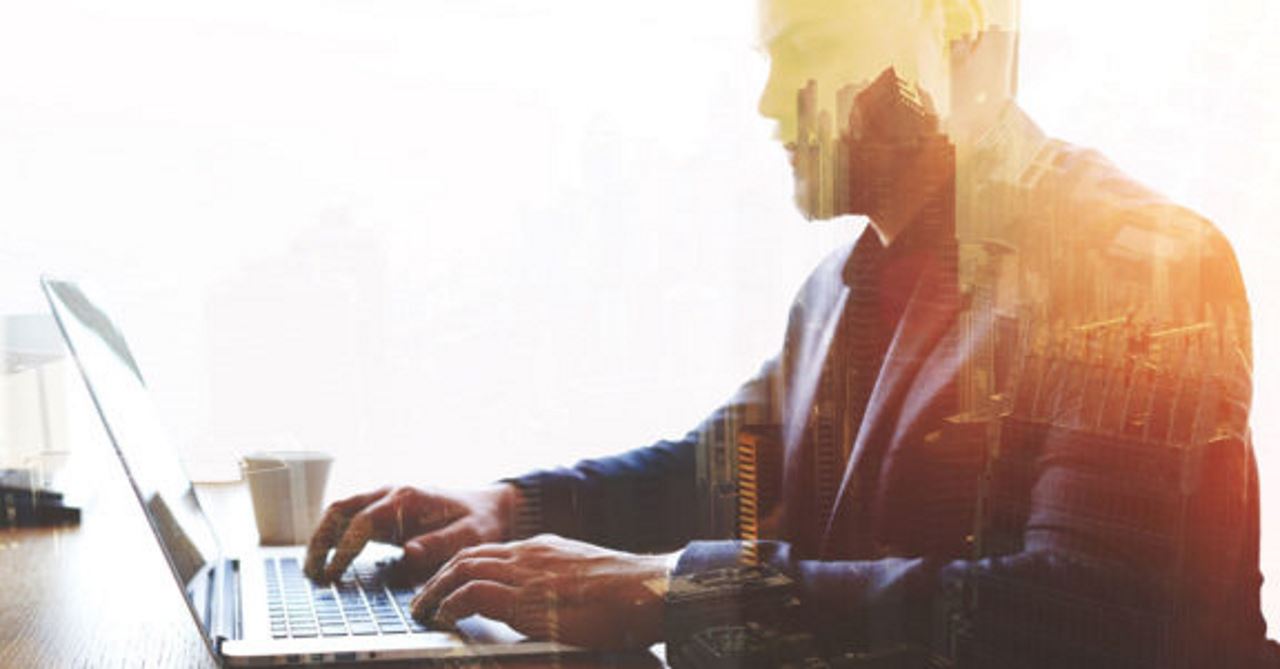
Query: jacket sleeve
point(643, 500)
point(655, 498)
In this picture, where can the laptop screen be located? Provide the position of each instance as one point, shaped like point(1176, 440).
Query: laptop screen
point(120, 394)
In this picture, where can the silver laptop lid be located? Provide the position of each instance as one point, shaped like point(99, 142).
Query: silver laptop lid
point(118, 391)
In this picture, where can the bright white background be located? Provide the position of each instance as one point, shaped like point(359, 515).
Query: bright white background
point(449, 240)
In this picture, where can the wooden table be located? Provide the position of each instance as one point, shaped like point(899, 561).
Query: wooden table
point(100, 594)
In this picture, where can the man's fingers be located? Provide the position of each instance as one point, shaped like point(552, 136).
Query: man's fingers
point(332, 526)
point(425, 554)
point(381, 521)
point(489, 599)
point(459, 574)
point(457, 545)
point(354, 503)
point(358, 533)
point(470, 548)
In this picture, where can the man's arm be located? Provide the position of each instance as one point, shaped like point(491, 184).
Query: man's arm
point(643, 500)
point(647, 499)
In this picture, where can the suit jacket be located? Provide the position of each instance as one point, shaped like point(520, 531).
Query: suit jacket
point(1027, 525)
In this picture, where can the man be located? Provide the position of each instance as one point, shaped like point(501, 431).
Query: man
point(1007, 427)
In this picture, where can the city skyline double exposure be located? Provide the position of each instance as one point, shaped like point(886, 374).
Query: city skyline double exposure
point(1036, 370)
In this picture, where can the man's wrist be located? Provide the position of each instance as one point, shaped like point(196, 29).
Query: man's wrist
point(672, 560)
point(650, 621)
point(520, 510)
point(510, 501)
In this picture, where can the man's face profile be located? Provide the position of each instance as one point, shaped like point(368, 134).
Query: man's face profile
point(831, 47)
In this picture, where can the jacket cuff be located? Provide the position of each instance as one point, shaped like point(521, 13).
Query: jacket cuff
point(703, 556)
point(723, 606)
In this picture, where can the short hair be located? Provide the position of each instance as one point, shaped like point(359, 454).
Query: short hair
point(955, 19)
point(961, 18)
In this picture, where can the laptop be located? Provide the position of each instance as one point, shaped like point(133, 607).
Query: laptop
point(256, 609)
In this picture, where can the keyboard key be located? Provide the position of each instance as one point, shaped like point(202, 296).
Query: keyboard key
point(333, 630)
point(363, 629)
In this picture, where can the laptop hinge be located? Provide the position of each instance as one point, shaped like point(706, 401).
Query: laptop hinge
point(225, 618)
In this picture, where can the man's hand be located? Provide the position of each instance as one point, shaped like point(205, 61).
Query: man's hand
point(553, 588)
point(431, 526)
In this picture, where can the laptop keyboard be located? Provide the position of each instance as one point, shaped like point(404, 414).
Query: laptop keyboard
point(361, 604)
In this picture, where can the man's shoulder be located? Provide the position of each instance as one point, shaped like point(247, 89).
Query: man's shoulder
point(1103, 209)
point(1123, 241)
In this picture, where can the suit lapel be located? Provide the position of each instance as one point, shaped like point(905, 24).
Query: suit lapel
point(810, 362)
point(930, 312)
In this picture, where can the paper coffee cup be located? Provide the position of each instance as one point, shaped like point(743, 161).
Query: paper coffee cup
point(287, 488)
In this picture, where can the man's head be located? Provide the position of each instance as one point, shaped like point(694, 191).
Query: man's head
point(839, 43)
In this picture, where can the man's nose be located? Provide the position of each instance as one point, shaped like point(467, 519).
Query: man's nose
point(769, 104)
